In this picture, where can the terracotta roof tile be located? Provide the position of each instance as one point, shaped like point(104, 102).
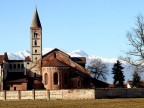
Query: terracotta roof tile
point(55, 63)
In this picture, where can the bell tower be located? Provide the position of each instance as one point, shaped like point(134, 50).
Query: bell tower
point(36, 38)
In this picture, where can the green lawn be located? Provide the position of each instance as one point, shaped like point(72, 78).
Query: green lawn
point(98, 103)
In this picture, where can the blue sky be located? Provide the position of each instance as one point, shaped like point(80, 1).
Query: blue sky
point(95, 26)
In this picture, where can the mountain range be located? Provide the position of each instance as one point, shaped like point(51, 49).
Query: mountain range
point(80, 53)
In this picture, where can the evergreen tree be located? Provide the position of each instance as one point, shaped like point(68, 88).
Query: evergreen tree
point(118, 74)
point(136, 79)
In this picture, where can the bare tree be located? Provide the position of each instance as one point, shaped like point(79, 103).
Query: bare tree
point(135, 55)
point(99, 69)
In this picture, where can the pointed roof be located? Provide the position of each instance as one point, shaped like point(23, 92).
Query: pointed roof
point(36, 20)
point(57, 50)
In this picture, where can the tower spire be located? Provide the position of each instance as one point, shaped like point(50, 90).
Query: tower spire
point(36, 21)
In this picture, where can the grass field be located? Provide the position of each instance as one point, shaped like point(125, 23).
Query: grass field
point(98, 103)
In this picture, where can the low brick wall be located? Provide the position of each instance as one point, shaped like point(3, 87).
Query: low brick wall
point(12, 95)
point(56, 94)
point(41, 94)
point(72, 94)
point(26, 95)
point(48, 94)
point(78, 94)
point(119, 93)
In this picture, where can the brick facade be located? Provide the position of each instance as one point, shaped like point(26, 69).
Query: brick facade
point(48, 94)
point(53, 77)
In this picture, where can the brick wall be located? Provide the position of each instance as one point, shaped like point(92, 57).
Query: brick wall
point(48, 94)
point(26, 94)
point(12, 95)
point(79, 94)
point(41, 94)
point(72, 94)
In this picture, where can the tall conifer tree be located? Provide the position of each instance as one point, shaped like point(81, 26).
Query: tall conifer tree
point(118, 74)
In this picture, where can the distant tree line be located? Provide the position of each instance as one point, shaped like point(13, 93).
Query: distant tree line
point(100, 71)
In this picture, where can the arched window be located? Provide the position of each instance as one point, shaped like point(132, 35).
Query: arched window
point(35, 42)
point(55, 78)
point(35, 51)
point(46, 79)
point(35, 34)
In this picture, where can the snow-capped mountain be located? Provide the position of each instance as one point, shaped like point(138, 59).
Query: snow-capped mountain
point(79, 53)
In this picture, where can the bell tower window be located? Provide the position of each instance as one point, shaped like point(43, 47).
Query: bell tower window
point(35, 42)
point(35, 34)
point(35, 51)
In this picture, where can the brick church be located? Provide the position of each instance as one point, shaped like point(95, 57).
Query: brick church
point(54, 70)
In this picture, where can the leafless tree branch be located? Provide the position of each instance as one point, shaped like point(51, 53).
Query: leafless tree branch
point(135, 55)
point(99, 69)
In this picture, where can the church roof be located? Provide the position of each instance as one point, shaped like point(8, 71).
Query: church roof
point(56, 50)
point(61, 59)
point(55, 63)
point(36, 20)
